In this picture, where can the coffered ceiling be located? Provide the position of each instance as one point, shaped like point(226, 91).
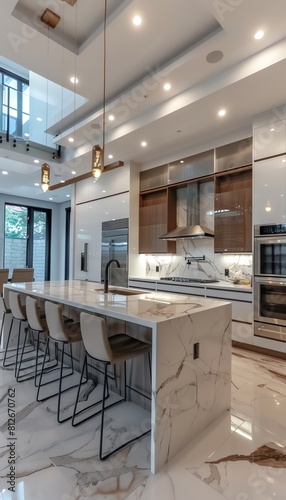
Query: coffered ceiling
point(205, 50)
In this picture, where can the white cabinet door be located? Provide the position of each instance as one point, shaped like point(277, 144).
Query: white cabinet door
point(269, 140)
point(88, 221)
point(83, 233)
point(269, 191)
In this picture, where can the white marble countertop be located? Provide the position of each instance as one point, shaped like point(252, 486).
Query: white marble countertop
point(219, 285)
point(147, 308)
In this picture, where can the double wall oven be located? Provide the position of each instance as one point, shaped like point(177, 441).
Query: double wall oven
point(270, 281)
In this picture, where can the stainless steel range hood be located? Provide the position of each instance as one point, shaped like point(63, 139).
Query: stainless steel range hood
point(193, 229)
point(188, 232)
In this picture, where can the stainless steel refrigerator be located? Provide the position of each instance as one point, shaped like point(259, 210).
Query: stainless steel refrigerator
point(114, 245)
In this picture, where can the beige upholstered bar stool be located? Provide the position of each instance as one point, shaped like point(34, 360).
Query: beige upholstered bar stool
point(22, 275)
point(3, 311)
point(18, 314)
point(37, 326)
point(4, 273)
point(63, 335)
point(107, 350)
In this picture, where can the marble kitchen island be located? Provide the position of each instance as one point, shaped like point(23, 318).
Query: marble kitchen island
point(187, 394)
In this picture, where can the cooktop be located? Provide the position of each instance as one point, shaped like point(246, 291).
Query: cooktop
point(179, 279)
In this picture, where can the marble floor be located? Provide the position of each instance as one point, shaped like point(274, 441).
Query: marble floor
point(241, 456)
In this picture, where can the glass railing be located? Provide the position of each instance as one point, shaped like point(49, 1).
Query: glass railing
point(24, 118)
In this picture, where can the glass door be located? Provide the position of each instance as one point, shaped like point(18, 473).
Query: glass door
point(27, 239)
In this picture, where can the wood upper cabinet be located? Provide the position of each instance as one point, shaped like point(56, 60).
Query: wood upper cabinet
point(233, 212)
point(157, 215)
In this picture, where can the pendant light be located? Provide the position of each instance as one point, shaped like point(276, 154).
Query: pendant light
point(45, 177)
point(97, 151)
point(97, 161)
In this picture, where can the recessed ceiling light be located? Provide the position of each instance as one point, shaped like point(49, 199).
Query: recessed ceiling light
point(167, 86)
point(74, 79)
point(39, 119)
point(51, 199)
point(143, 144)
point(36, 184)
point(73, 172)
point(259, 34)
point(62, 181)
point(26, 134)
point(71, 139)
point(272, 129)
point(110, 156)
point(68, 195)
point(104, 191)
point(111, 118)
point(222, 112)
point(4, 172)
point(182, 161)
point(284, 160)
point(36, 161)
point(137, 20)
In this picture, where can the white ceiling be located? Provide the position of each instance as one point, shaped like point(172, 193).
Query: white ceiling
point(171, 44)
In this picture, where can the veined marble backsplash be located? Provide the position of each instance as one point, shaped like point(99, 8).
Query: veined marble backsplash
point(213, 266)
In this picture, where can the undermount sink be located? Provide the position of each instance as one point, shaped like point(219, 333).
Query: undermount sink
point(119, 291)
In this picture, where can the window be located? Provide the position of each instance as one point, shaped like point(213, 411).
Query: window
point(27, 239)
point(15, 104)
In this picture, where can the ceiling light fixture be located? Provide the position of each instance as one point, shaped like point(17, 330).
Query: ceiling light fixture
point(111, 156)
point(50, 18)
point(74, 79)
point(143, 144)
point(39, 119)
point(45, 177)
point(111, 118)
point(222, 112)
point(167, 86)
point(137, 20)
point(97, 154)
point(71, 139)
point(4, 172)
point(36, 161)
point(259, 34)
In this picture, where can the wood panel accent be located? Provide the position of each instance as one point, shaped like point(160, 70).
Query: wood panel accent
point(87, 175)
point(233, 212)
point(157, 215)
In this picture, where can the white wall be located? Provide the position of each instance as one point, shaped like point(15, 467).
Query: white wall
point(58, 230)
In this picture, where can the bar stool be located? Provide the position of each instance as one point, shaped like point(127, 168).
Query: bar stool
point(4, 273)
point(3, 311)
point(18, 314)
point(3, 308)
point(107, 350)
point(25, 275)
point(36, 325)
point(63, 334)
